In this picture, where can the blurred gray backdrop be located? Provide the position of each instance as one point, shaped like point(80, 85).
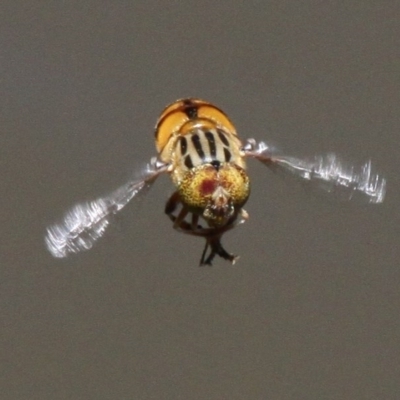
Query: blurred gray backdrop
point(310, 311)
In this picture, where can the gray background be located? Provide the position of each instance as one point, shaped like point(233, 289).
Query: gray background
point(311, 310)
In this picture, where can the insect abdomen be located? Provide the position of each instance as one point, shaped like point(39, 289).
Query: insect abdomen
point(183, 116)
point(206, 146)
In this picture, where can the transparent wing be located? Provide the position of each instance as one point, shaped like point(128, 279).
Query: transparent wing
point(86, 222)
point(326, 172)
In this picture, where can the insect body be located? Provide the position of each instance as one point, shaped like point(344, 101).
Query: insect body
point(208, 169)
point(198, 146)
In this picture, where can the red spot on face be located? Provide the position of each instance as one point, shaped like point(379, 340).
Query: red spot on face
point(207, 186)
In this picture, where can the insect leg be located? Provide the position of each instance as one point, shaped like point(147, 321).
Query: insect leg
point(171, 206)
point(203, 256)
point(216, 249)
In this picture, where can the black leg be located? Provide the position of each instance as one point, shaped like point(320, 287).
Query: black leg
point(203, 261)
point(216, 249)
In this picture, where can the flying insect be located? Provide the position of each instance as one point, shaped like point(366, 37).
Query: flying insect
point(199, 148)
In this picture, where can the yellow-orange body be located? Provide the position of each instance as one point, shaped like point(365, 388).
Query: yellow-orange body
point(207, 166)
point(206, 162)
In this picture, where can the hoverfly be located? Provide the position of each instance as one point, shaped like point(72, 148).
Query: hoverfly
point(199, 148)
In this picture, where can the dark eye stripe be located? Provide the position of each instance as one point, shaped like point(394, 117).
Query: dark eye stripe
point(197, 146)
point(228, 154)
point(211, 142)
point(188, 162)
point(183, 143)
point(223, 138)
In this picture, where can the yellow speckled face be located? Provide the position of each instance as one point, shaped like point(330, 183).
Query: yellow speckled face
point(218, 191)
point(180, 117)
